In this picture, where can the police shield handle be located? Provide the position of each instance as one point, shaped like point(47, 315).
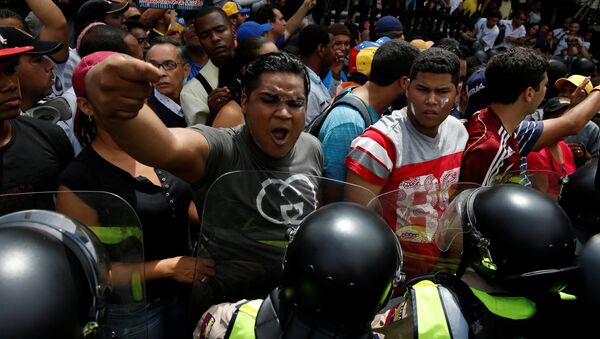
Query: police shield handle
point(118, 86)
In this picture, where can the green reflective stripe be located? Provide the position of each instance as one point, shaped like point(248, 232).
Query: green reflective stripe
point(567, 296)
point(243, 326)
point(512, 180)
point(274, 243)
point(431, 317)
point(112, 235)
point(515, 308)
point(137, 291)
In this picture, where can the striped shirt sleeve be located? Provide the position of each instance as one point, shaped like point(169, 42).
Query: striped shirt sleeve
point(371, 157)
point(528, 133)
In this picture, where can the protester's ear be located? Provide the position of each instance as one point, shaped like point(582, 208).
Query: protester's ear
point(244, 102)
point(187, 69)
point(85, 106)
point(528, 94)
point(321, 50)
point(403, 82)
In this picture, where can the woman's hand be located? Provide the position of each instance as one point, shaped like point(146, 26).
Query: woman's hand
point(182, 269)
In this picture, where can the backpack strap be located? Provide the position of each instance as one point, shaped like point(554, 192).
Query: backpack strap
point(314, 127)
point(207, 87)
point(358, 104)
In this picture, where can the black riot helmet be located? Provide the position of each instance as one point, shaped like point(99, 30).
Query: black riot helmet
point(556, 69)
point(519, 239)
point(341, 267)
point(580, 198)
point(590, 266)
point(583, 66)
point(51, 277)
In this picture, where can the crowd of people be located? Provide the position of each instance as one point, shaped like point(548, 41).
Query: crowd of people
point(155, 105)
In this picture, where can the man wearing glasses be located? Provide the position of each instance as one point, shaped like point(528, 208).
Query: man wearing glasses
point(164, 99)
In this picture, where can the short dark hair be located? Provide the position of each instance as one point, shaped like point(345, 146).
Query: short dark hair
point(280, 62)
point(493, 13)
point(8, 14)
point(103, 38)
point(204, 11)
point(166, 41)
point(439, 61)
point(245, 53)
point(392, 61)
point(311, 37)
point(264, 14)
point(339, 29)
point(518, 13)
point(247, 50)
point(510, 72)
point(131, 24)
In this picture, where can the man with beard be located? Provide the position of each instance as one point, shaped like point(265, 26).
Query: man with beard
point(315, 46)
point(200, 96)
point(387, 83)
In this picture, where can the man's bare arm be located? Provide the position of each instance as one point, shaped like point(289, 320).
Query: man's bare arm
point(296, 20)
point(117, 88)
point(358, 196)
point(54, 25)
point(571, 121)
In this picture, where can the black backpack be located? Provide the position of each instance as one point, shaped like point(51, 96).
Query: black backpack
point(314, 127)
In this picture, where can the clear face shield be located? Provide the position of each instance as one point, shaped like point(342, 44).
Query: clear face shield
point(104, 234)
point(547, 182)
point(247, 221)
point(428, 223)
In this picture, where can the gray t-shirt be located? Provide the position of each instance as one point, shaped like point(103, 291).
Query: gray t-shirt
point(589, 136)
point(247, 214)
point(232, 149)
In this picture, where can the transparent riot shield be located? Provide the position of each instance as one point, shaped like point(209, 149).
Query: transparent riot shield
point(246, 220)
point(547, 182)
point(104, 233)
point(430, 237)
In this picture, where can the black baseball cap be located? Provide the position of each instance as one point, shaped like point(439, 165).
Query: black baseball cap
point(5, 49)
point(95, 10)
point(556, 105)
point(16, 38)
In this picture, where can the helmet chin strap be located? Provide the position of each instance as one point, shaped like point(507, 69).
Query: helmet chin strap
point(276, 320)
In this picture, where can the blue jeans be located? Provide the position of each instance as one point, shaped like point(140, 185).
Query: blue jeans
point(135, 321)
point(161, 318)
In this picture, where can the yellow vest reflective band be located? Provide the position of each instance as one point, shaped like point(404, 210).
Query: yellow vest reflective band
point(515, 308)
point(437, 313)
point(244, 321)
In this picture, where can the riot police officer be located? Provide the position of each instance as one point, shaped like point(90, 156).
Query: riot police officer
point(517, 252)
point(53, 277)
point(580, 198)
point(339, 271)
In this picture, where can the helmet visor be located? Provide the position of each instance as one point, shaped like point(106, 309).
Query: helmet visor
point(103, 232)
point(426, 229)
point(547, 182)
point(248, 219)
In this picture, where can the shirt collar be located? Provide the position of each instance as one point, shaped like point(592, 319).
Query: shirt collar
point(168, 102)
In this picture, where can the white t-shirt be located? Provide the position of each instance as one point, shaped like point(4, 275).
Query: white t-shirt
point(509, 31)
point(485, 34)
